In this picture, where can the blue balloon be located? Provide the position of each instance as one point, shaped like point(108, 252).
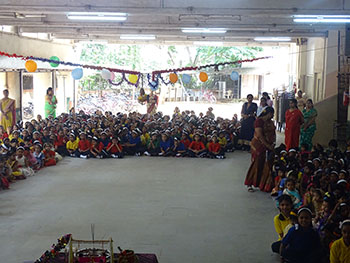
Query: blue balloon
point(234, 75)
point(77, 73)
point(153, 85)
point(186, 78)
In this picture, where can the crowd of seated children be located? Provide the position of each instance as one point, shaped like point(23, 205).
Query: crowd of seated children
point(28, 147)
point(312, 189)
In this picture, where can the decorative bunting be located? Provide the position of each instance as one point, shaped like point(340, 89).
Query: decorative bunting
point(153, 81)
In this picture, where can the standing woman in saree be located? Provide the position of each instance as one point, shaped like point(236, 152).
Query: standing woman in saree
point(308, 128)
point(152, 103)
point(8, 111)
point(248, 113)
point(262, 146)
point(50, 103)
point(294, 120)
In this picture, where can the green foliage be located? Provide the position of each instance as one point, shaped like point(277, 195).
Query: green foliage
point(133, 57)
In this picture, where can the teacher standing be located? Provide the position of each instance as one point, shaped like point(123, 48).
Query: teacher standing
point(50, 103)
point(8, 111)
point(294, 119)
point(248, 113)
point(262, 146)
point(309, 127)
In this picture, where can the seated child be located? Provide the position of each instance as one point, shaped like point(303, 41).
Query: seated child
point(39, 156)
point(133, 146)
point(165, 146)
point(282, 220)
point(153, 148)
point(96, 148)
point(197, 148)
point(302, 243)
point(114, 149)
point(23, 163)
point(72, 145)
point(179, 148)
point(214, 149)
point(15, 171)
point(293, 193)
point(60, 143)
point(340, 249)
point(83, 150)
point(49, 155)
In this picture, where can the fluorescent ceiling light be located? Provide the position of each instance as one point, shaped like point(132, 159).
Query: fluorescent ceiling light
point(204, 30)
point(137, 37)
point(208, 43)
point(321, 18)
point(97, 16)
point(327, 16)
point(272, 39)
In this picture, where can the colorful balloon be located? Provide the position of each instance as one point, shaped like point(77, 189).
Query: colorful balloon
point(173, 78)
point(234, 75)
point(77, 73)
point(186, 78)
point(54, 65)
point(153, 85)
point(133, 78)
point(203, 76)
point(31, 66)
point(112, 75)
point(106, 74)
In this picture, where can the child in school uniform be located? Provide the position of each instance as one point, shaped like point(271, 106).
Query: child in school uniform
point(23, 163)
point(84, 144)
point(282, 220)
point(60, 143)
point(179, 148)
point(165, 145)
point(214, 149)
point(293, 193)
point(340, 249)
point(153, 148)
point(302, 243)
point(16, 173)
point(133, 146)
point(72, 145)
point(39, 156)
point(96, 148)
point(197, 148)
point(185, 139)
point(49, 154)
point(114, 148)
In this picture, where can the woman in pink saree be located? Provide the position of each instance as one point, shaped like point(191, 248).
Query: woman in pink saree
point(8, 110)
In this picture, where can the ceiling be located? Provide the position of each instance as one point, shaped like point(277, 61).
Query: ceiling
point(243, 19)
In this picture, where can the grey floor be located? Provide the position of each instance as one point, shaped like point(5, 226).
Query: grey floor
point(183, 210)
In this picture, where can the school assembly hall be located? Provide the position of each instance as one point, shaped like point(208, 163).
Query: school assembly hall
point(175, 131)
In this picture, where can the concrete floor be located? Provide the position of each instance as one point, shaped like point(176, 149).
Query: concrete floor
point(184, 210)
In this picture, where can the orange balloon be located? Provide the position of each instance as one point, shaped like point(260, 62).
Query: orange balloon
point(203, 76)
point(173, 78)
point(31, 66)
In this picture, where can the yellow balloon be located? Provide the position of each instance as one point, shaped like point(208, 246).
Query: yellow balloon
point(133, 78)
point(31, 66)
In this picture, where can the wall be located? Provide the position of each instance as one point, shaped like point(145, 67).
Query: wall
point(41, 81)
point(34, 47)
point(327, 115)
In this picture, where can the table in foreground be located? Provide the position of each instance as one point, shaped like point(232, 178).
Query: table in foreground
point(143, 258)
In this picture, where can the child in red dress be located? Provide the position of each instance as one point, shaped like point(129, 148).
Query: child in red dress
point(49, 155)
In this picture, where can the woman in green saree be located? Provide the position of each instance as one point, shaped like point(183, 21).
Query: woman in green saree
point(308, 129)
point(50, 103)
